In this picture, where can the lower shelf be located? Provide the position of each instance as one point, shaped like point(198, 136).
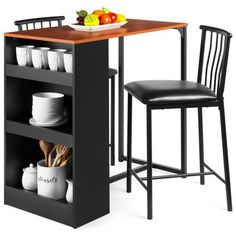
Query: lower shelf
point(29, 201)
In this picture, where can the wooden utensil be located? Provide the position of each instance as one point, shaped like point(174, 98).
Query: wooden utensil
point(66, 161)
point(46, 147)
point(50, 157)
point(61, 150)
point(64, 156)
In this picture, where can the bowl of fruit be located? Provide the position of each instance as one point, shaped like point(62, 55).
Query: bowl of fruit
point(103, 19)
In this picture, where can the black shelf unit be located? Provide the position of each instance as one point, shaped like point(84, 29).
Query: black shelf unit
point(86, 102)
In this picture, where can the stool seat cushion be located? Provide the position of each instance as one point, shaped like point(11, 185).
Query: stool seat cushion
point(158, 92)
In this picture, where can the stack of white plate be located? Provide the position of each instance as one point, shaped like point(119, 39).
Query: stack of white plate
point(48, 109)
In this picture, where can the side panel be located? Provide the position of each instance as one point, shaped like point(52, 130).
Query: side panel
point(91, 131)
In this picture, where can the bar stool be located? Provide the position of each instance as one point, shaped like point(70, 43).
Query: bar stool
point(40, 23)
point(167, 94)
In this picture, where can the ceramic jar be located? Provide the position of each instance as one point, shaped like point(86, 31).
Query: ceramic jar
point(51, 181)
point(29, 178)
point(69, 193)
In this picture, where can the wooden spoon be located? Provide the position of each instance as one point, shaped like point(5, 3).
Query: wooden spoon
point(46, 148)
point(66, 161)
point(50, 156)
point(61, 150)
point(64, 156)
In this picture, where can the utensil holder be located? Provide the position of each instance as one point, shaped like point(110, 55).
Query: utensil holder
point(51, 181)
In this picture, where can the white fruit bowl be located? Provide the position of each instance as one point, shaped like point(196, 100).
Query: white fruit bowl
point(97, 27)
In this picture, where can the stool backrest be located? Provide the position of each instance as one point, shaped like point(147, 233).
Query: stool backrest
point(214, 51)
point(39, 22)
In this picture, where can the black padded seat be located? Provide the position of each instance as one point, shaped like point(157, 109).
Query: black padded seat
point(112, 72)
point(157, 92)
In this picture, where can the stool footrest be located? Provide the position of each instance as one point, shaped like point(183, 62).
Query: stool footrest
point(138, 178)
point(217, 175)
point(122, 175)
point(179, 175)
point(156, 165)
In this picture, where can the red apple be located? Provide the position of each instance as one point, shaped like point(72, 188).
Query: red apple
point(113, 17)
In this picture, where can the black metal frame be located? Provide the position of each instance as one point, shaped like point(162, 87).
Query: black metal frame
point(218, 103)
point(112, 120)
point(121, 100)
point(121, 156)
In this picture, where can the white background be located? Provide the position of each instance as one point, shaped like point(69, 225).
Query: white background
point(181, 206)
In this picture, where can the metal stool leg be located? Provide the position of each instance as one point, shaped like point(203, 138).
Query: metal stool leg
point(149, 162)
point(112, 109)
point(201, 146)
point(129, 143)
point(225, 156)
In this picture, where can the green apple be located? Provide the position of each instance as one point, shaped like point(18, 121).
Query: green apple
point(105, 10)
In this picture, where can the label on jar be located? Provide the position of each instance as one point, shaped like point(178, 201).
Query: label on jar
point(46, 180)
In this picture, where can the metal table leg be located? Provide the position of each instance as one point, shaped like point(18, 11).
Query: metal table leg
point(183, 170)
point(183, 32)
point(121, 101)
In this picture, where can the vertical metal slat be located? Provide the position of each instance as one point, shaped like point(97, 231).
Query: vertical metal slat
point(208, 59)
point(201, 58)
point(221, 65)
point(213, 62)
point(224, 66)
point(217, 64)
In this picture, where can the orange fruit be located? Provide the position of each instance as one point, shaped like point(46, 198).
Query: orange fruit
point(98, 12)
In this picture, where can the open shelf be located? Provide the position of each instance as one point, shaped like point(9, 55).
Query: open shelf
point(41, 75)
point(18, 107)
point(61, 134)
point(20, 152)
point(34, 203)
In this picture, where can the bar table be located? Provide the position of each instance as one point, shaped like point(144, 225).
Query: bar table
point(87, 131)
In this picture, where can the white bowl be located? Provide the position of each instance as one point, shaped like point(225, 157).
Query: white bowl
point(48, 98)
point(48, 95)
point(47, 107)
point(49, 111)
point(47, 101)
point(45, 118)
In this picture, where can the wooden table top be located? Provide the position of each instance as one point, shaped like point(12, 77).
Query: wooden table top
point(66, 34)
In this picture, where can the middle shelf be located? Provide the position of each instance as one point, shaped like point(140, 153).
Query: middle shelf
point(19, 106)
point(61, 134)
